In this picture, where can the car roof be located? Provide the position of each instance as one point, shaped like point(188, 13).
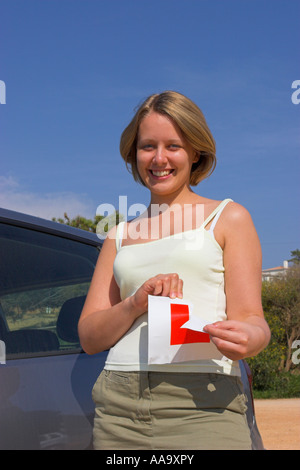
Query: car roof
point(37, 223)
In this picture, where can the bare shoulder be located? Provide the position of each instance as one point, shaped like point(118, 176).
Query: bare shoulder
point(234, 225)
point(103, 292)
point(209, 204)
point(236, 214)
point(238, 226)
point(111, 235)
point(108, 249)
point(206, 201)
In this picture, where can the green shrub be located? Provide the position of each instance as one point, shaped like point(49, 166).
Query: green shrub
point(282, 385)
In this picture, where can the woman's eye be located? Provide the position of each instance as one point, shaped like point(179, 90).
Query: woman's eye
point(147, 147)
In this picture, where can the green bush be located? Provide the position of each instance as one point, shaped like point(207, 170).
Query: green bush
point(281, 385)
point(273, 370)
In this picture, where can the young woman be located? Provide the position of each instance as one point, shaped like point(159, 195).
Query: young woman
point(196, 404)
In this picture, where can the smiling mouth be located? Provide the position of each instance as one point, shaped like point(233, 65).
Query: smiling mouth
point(161, 173)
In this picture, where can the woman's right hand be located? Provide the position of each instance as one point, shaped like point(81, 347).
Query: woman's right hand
point(165, 285)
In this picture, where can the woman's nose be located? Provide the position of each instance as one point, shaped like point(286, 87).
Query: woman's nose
point(160, 156)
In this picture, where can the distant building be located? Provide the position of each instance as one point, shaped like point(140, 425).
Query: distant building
point(273, 273)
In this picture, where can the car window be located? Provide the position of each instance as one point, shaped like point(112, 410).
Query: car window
point(44, 280)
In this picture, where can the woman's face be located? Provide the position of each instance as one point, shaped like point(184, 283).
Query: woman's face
point(164, 157)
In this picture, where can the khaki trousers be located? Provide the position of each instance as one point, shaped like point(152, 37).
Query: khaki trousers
point(158, 410)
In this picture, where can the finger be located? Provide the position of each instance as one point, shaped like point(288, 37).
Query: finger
point(229, 335)
point(232, 350)
point(150, 286)
point(166, 286)
point(180, 289)
point(158, 287)
point(174, 285)
point(225, 325)
point(220, 327)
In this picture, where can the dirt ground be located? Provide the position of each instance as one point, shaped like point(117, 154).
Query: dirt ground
point(279, 423)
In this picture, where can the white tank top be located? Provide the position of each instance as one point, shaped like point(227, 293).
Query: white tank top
point(198, 259)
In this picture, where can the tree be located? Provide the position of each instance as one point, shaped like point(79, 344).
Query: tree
point(273, 368)
point(281, 298)
point(295, 256)
point(91, 225)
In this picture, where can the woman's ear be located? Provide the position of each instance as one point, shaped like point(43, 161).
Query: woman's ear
point(196, 157)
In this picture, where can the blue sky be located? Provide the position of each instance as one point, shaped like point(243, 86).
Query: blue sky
point(75, 70)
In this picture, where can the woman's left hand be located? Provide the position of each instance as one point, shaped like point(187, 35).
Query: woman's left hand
point(237, 339)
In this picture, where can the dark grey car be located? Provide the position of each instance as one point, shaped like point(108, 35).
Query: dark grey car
point(45, 377)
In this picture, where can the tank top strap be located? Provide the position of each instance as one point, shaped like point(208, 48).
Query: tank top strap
point(119, 235)
point(216, 214)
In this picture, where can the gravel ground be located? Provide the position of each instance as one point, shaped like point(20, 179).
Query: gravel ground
point(279, 423)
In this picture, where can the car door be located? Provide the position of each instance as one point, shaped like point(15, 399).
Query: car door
point(45, 378)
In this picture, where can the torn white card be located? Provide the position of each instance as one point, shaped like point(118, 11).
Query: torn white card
point(195, 323)
point(175, 334)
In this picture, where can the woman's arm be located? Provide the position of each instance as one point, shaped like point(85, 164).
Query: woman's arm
point(98, 332)
point(105, 318)
point(246, 332)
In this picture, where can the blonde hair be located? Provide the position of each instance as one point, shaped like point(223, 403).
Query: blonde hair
point(190, 120)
